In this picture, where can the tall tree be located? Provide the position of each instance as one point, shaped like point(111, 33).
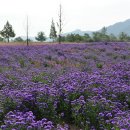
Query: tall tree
point(87, 38)
point(40, 37)
point(104, 30)
point(53, 33)
point(7, 31)
point(18, 39)
point(113, 38)
point(1, 39)
point(101, 36)
point(96, 36)
point(70, 38)
point(60, 24)
point(123, 37)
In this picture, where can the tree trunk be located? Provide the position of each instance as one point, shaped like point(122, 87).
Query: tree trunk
point(27, 41)
point(59, 39)
point(8, 40)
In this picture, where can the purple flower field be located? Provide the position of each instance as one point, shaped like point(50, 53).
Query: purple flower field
point(65, 87)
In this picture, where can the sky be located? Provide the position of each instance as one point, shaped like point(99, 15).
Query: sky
point(86, 15)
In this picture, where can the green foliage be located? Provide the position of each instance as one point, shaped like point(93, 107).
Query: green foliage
point(62, 39)
point(7, 31)
point(30, 40)
point(22, 63)
point(113, 37)
point(124, 57)
point(1, 117)
point(47, 109)
point(78, 38)
point(18, 39)
point(128, 101)
point(101, 36)
point(123, 37)
point(87, 38)
point(63, 106)
point(74, 38)
point(4, 69)
point(96, 36)
point(115, 56)
point(99, 65)
point(40, 37)
point(1, 39)
point(53, 33)
point(70, 38)
point(42, 77)
point(48, 57)
point(8, 105)
point(104, 31)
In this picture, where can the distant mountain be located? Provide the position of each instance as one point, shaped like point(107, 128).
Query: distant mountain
point(78, 31)
point(119, 27)
point(116, 29)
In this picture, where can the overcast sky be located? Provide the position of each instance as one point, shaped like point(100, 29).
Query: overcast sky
point(77, 14)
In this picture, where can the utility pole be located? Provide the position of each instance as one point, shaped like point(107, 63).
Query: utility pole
point(60, 28)
point(60, 23)
point(27, 32)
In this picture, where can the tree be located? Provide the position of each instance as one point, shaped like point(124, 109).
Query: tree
point(18, 39)
point(104, 30)
point(101, 36)
point(123, 37)
point(40, 37)
point(113, 38)
point(70, 38)
point(96, 36)
point(104, 36)
point(62, 38)
point(74, 38)
point(53, 32)
point(1, 39)
point(87, 38)
point(60, 24)
point(7, 31)
point(78, 38)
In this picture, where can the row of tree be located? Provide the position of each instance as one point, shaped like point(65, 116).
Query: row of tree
point(102, 36)
point(8, 32)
